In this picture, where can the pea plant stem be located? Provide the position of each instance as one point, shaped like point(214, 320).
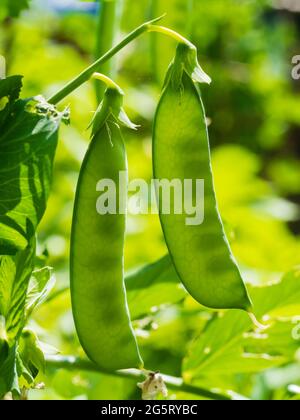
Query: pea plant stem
point(170, 33)
point(72, 363)
point(88, 72)
point(107, 81)
point(106, 30)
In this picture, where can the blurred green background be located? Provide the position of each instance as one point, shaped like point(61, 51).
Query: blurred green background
point(246, 46)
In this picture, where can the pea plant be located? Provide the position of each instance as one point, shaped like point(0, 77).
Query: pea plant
point(245, 319)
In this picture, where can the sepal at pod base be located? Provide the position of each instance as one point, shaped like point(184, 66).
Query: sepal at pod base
point(111, 108)
point(186, 60)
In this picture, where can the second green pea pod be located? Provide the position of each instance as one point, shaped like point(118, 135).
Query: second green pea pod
point(201, 253)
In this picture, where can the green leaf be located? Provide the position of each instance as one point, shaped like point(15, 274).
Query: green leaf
point(16, 6)
point(283, 298)
point(10, 89)
point(23, 371)
point(278, 340)
point(28, 140)
point(31, 355)
point(40, 286)
point(220, 350)
point(152, 286)
point(15, 273)
point(229, 345)
point(161, 271)
point(7, 276)
point(13, 8)
point(8, 374)
point(281, 378)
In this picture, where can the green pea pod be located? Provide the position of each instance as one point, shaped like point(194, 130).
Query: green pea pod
point(97, 246)
point(201, 254)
